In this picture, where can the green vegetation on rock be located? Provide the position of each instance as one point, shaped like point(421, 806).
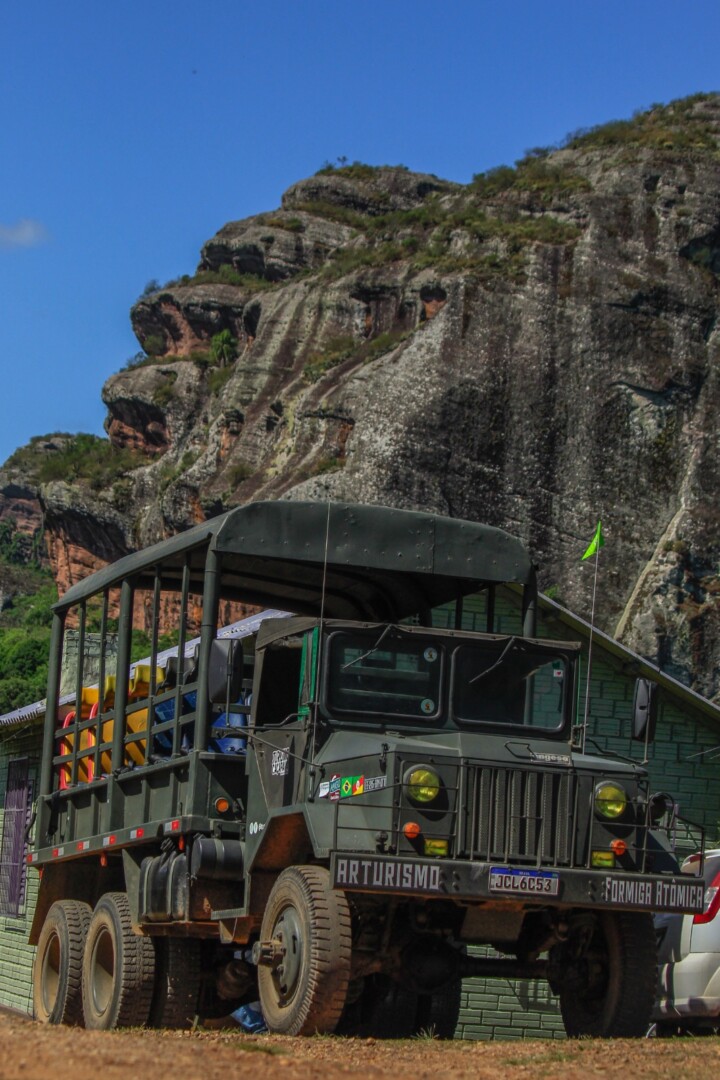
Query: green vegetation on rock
point(29, 593)
point(82, 459)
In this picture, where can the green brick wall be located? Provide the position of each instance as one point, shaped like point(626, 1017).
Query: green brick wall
point(16, 956)
point(507, 1009)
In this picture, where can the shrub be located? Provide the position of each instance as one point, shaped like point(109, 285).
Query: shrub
point(165, 392)
point(239, 472)
point(217, 379)
point(294, 225)
point(81, 458)
point(336, 350)
point(154, 344)
point(25, 644)
point(328, 464)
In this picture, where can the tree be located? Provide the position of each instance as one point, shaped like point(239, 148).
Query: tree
point(223, 348)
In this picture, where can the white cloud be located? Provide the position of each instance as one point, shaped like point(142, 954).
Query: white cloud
point(25, 233)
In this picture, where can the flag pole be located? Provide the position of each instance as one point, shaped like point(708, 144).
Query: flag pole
point(590, 645)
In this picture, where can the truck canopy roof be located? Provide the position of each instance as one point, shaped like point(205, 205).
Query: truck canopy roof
point(366, 561)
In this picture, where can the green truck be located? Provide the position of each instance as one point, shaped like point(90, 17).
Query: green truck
point(329, 815)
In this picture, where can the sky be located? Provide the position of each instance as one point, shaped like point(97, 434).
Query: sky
point(130, 133)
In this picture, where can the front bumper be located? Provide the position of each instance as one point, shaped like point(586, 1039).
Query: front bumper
point(501, 882)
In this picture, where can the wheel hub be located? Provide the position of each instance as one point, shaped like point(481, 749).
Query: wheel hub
point(287, 952)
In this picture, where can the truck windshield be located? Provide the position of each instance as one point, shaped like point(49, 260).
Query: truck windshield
point(397, 676)
point(509, 682)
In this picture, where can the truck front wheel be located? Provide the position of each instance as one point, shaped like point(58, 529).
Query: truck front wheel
point(305, 953)
point(57, 972)
point(606, 976)
point(118, 968)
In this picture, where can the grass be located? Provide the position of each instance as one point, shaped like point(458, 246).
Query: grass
point(671, 127)
point(226, 274)
point(217, 379)
point(342, 348)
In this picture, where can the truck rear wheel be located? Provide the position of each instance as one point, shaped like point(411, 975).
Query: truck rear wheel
point(306, 933)
point(607, 990)
point(178, 973)
point(57, 971)
point(118, 968)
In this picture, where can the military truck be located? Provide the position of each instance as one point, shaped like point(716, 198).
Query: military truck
point(328, 815)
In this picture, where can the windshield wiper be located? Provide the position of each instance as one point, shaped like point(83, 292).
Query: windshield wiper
point(374, 648)
point(500, 660)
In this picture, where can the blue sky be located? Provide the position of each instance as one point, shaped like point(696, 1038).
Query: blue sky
point(130, 133)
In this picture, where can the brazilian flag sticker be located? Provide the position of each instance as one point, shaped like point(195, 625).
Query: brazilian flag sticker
point(351, 785)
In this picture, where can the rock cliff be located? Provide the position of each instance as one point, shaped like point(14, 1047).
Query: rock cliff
point(535, 350)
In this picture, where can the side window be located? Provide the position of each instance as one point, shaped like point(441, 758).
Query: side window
point(18, 799)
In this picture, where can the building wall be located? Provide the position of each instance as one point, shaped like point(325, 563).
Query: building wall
point(16, 956)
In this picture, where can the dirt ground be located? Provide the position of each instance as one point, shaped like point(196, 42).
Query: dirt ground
point(31, 1051)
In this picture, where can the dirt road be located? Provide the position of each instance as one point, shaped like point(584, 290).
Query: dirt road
point(29, 1051)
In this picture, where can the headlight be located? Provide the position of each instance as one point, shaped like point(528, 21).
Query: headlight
point(422, 784)
point(610, 800)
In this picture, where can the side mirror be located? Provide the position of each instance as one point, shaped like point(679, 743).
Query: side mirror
point(225, 670)
point(645, 709)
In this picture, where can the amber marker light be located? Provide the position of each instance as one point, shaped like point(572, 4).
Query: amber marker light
point(604, 860)
point(222, 805)
point(412, 830)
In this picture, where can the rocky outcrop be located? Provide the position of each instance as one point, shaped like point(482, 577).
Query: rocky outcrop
point(535, 350)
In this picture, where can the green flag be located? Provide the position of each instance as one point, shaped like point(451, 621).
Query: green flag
point(597, 542)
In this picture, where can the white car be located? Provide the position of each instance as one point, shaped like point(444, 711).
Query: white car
point(689, 959)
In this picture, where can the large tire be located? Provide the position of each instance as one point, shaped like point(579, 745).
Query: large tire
point(57, 971)
point(438, 1013)
point(612, 992)
point(118, 968)
point(303, 991)
point(178, 975)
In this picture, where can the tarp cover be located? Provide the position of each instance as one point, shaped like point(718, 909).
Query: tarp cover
point(350, 561)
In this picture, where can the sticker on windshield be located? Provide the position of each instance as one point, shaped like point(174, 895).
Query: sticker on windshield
point(430, 654)
point(427, 705)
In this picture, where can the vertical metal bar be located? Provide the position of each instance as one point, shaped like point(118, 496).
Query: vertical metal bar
point(499, 806)
point(490, 613)
point(529, 609)
point(152, 689)
point(459, 613)
point(101, 683)
point(208, 631)
point(53, 697)
point(127, 596)
point(184, 593)
point(79, 679)
point(461, 810)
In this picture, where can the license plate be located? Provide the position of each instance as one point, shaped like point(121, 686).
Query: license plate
point(532, 882)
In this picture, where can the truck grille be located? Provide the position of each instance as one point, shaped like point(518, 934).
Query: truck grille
point(518, 815)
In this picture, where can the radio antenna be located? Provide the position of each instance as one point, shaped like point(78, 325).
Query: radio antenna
point(318, 664)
